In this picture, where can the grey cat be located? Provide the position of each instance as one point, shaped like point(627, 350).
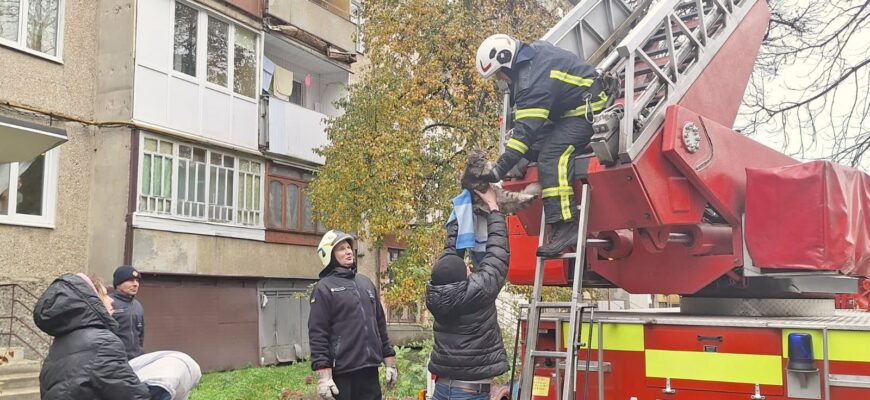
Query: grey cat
point(508, 202)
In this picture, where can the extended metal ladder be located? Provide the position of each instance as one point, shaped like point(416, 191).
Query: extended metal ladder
point(575, 318)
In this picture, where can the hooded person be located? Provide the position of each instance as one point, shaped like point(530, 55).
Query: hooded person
point(86, 360)
point(347, 330)
point(469, 350)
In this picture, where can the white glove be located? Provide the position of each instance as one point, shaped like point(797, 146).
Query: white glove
point(391, 372)
point(392, 376)
point(325, 385)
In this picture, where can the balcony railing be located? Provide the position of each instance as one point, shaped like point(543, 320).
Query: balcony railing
point(296, 131)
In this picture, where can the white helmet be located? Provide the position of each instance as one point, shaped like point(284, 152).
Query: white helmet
point(328, 242)
point(496, 52)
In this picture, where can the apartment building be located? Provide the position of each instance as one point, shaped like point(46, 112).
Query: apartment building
point(191, 127)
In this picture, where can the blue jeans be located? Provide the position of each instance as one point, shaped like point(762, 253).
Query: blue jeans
point(443, 392)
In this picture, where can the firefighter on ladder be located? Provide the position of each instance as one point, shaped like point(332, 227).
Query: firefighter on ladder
point(547, 85)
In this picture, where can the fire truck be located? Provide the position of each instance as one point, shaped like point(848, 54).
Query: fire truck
point(671, 200)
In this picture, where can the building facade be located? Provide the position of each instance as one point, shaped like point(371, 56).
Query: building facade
point(191, 128)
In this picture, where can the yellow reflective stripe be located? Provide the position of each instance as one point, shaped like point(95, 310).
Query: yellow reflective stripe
point(759, 369)
point(557, 191)
point(842, 345)
point(517, 145)
point(565, 198)
point(571, 79)
point(532, 113)
point(623, 337)
point(596, 106)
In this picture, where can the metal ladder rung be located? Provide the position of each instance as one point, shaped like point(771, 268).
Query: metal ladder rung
point(553, 354)
point(554, 304)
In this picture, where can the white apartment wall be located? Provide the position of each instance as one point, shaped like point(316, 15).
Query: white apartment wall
point(173, 100)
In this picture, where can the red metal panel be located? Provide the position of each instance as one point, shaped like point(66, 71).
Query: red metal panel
point(718, 168)
point(832, 229)
point(521, 266)
point(643, 271)
point(724, 339)
point(718, 91)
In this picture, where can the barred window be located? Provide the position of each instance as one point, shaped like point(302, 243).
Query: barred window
point(155, 194)
point(191, 182)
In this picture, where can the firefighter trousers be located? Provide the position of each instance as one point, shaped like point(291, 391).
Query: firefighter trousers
point(570, 135)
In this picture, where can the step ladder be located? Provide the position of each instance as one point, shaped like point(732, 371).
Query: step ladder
point(569, 356)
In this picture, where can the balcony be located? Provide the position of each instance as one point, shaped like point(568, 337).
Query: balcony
point(296, 131)
point(327, 19)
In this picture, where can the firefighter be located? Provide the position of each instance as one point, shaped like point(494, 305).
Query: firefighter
point(347, 329)
point(468, 350)
point(548, 85)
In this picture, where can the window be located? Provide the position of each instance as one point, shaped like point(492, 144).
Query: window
point(230, 50)
point(245, 63)
point(28, 190)
point(184, 59)
point(217, 51)
point(32, 25)
point(191, 182)
point(356, 18)
point(297, 96)
point(289, 208)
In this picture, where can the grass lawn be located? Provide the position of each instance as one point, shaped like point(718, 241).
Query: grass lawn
point(288, 382)
point(284, 382)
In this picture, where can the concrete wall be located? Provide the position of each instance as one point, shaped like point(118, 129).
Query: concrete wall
point(157, 251)
point(110, 185)
point(116, 41)
point(313, 18)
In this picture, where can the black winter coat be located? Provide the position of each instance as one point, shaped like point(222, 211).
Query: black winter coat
point(468, 343)
point(347, 330)
point(131, 324)
point(86, 361)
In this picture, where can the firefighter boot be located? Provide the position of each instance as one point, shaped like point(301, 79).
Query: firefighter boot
point(564, 235)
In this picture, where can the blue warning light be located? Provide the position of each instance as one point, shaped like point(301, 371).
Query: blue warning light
point(800, 352)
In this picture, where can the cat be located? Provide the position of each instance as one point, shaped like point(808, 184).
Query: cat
point(508, 202)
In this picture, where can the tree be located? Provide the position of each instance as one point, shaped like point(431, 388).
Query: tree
point(395, 155)
point(810, 85)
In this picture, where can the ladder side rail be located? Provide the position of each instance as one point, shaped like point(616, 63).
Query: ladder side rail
point(532, 320)
point(720, 17)
point(576, 295)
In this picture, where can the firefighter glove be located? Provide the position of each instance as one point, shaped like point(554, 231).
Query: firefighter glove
point(391, 372)
point(325, 385)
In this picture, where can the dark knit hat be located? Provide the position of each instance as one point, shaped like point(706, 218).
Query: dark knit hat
point(125, 273)
point(449, 269)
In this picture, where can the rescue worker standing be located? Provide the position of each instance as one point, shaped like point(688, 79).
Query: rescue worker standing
point(546, 84)
point(468, 350)
point(347, 329)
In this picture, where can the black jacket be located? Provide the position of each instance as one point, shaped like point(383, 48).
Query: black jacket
point(548, 83)
point(468, 343)
point(347, 330)
point(131, 324)
point(86, 361)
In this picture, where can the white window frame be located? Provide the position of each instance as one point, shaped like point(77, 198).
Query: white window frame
point(199, 225)
point(49, 195)
point(21, 43)
point(359, 43)
point(201, 77)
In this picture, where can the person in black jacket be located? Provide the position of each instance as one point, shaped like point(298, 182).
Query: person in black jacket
point(469, 350)
point(86, 361)
point(128, 311)
point(347, 330)
point(547, 84)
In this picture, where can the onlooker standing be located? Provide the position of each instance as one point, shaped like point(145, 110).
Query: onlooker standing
point(128, 311)
point(468, 351)
point(346, 327)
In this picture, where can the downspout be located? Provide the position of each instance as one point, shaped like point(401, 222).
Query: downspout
point(132, 193)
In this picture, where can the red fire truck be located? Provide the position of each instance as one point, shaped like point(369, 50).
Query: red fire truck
point(671, 200)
